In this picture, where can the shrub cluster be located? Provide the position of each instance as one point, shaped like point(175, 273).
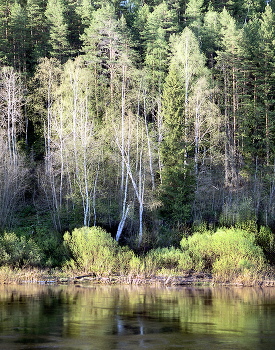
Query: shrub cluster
point(92, 250)
point(226, 253)
point(18, 251)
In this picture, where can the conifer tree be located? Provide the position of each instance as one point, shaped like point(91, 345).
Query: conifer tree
point(37, 27)
point(58, 29)
point(267, 48)
point(160, 24)
point(102, 46)
point(19, 40)
point(177, 187)
point(228, 64)
point(193, 15)
point(4, 30)
point(210, 34)
point(84, 9)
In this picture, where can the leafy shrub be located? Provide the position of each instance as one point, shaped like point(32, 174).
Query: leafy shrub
point(126, 261)
point(92, 250)
point(225, 253)
point(170, 236)
point(50, 243)
point(265, 239)
point(136, 266)
point(248, 226)
point(198, 248)
point(18, 251)
point(199, 227)
point(163, 258)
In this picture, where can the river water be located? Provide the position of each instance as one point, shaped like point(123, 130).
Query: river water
point(123, 317)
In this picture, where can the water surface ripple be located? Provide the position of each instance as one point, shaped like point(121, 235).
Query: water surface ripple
point(123, 317)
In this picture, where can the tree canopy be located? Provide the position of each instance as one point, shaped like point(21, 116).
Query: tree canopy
point(142, 117)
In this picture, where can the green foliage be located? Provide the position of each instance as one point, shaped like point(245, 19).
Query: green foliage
point(127, 261)
point(265, 239)
point(92, 249)
point(197, 247)
point(226, 253)
point(249, 226)
point(177, 188)
point(199, 227)
point(208, 135)
point(55, 14)
point(171, 236)
point(136, 266)
point(167, 259)
point(18, 251)
point(163, 258)
point(240, 213)
point(50, 243)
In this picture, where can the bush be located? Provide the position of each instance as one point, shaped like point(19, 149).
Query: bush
point(136, 266)
point(167, 258)
point(164, 259)
point(226, 252)
point(265, 239)
point(92, 250)
point(50, 243)
point(127, 261)
point(18, 251)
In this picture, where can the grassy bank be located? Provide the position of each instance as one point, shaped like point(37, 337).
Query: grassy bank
point(227, 255)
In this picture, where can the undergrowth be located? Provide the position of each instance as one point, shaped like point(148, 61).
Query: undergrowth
point(227, 253)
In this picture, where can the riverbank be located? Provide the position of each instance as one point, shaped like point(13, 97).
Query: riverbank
point(55, 276)
point(228, 256)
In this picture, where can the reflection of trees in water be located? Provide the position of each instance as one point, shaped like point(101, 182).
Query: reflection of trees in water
point(121, 311)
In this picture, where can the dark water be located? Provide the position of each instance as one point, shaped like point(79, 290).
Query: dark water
point(98, 317)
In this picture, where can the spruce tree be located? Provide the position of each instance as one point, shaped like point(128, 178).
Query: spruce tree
point(38, 34)
point(267, 48)
point(5, 48)
point(177, 188)
point(58, 29)
point(19, 40)
point(161, 23)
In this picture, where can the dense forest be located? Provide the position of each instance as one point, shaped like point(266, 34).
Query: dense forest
point(142, 117)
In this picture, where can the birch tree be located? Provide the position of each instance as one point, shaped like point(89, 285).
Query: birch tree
point(190, 63)
point(77, 149)
point(47, 80)
point(12, 169)
point(11, 101)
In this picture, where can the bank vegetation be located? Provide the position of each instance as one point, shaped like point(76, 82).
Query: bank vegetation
point(148, 119)
point(227, 255)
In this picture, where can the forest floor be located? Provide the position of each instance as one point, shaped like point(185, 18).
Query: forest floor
point(55, 276)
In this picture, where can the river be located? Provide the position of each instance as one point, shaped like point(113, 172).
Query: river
point(135, 317)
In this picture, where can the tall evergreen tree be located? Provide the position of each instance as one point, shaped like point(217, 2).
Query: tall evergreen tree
point(229, 66)
point(5, 49)
point(267, 47)
point(58, 29)
point(178, 175)
point(193, 15)
point(38, 34)
point(177, 189)
point(160, 24)
point(84, 9)
point(19, 37)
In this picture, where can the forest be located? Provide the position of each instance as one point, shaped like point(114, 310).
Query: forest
point(146, 118)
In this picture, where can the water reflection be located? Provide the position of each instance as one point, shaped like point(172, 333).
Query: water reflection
point(115, 317)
